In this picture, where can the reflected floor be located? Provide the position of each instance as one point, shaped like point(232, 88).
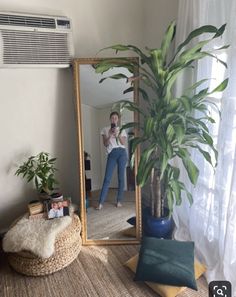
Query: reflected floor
point(110, 221)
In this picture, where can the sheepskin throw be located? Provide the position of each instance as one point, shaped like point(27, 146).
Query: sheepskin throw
point(36, 236)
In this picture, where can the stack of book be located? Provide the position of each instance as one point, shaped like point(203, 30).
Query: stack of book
point(35, 210)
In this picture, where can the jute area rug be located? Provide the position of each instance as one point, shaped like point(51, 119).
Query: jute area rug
point(98, 271)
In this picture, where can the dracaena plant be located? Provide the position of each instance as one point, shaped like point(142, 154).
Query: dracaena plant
point(41, 170)
point(169, 126)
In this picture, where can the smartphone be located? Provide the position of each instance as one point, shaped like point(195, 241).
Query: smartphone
point(113, 126)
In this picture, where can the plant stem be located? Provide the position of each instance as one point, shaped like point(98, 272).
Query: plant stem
point(152, 191)
point(158, 196)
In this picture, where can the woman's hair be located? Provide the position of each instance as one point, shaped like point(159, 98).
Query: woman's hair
point(114, 113)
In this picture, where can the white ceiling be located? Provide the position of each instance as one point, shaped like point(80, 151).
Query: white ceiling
point(103, 94)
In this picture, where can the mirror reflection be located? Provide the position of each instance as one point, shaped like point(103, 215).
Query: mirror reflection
point(109, 180)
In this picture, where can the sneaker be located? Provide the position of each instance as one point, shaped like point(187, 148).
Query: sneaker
point(99, 207)
point(118, 204)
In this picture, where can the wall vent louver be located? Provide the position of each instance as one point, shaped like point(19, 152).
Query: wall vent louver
point(35, 41)
point(27, 21)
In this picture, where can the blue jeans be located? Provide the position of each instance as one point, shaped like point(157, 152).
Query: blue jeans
point(116, 156)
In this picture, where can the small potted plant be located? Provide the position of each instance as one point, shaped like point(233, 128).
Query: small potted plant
point(41, 170)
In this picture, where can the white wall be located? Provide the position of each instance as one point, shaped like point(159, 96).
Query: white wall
point(157, 16)
point(37, 106)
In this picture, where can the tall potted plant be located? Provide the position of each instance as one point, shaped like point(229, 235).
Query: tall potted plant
point(169, 126)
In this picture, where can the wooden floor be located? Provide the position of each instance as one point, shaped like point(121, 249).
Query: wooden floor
point(97, 272)
point(110, 221)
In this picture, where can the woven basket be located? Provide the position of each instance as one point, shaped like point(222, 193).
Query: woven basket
point(67, 247)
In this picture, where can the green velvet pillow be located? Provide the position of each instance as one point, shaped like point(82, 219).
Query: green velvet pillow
point(168, 262)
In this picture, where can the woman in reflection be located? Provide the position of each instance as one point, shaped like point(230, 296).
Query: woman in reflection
point(116, 155)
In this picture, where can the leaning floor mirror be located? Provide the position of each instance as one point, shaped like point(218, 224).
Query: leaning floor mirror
point(109, 197)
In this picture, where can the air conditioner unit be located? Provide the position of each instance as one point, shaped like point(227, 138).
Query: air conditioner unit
point(30, 40)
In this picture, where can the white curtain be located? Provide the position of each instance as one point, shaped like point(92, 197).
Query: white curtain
point(211, 221)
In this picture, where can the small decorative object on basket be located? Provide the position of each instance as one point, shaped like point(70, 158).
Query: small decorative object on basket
point(35, 207)
point(58, 208)
point(56, 197)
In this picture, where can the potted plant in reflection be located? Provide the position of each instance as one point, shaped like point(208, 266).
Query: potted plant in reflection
point(170, 126)
point(41, 170)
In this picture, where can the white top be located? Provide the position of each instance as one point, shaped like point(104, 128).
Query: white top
point(114, 141)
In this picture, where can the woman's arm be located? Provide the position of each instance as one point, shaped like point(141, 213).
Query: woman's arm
point(106, 140)
point(122, 139)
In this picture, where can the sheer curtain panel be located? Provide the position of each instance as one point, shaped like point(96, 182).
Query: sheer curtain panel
point(211, 221)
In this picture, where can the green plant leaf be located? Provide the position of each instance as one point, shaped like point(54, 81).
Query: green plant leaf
point(117, 47)
point(36, 182)
point(132, 106)
point(191, 52)
point(120, 47)
point(148, 126)
point(196, 85)
point(142, 176)
point(144, 58)
point(129, 125)
point(177, 191)
point(221, 87)
point(144, 94)
point(145, 160)
point(214, 105)
point(197, 32)
point(170, 200)
point(191, 168)
point(169, 151)
point(157, 63)
point(164, 163)
point(176, 172)
point(220, 31)
point(132, 160)
point(30, 177)
point(186, 102)
point(114, 76)
point(166, 42)
point(223, 47)
point(206, 155)
point(108, 64)
point(179, 132)
point(215, 57)
point(134, 142)
point(52, 160)
point(170, 132)
point(208, 138)
point(130, 89)
point(189, 195)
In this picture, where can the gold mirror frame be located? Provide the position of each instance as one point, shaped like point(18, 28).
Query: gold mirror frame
point(83, 216)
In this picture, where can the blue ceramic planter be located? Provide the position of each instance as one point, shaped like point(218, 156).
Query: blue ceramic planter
point(158, 227)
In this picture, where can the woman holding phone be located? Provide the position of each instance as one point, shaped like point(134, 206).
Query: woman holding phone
point(114, 142)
